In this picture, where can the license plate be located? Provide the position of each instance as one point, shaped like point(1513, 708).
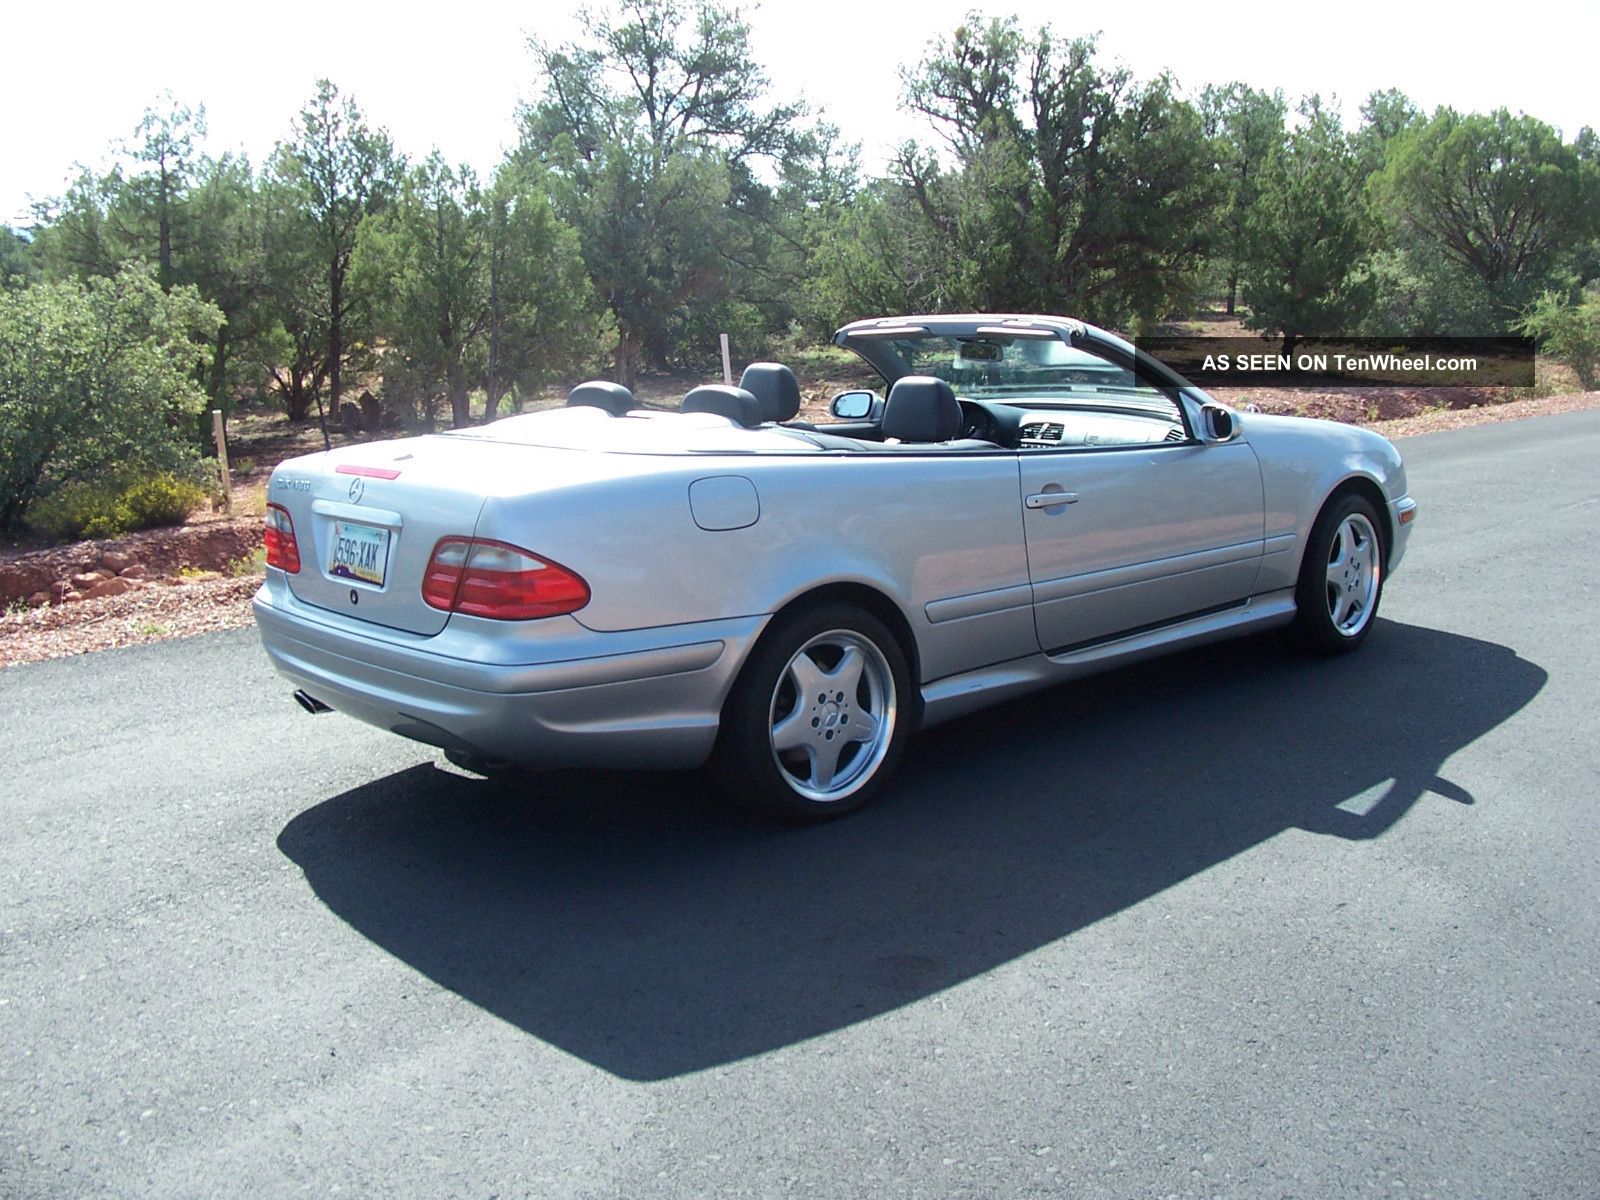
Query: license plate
point(359, 552)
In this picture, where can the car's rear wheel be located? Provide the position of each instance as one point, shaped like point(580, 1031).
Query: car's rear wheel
point(818, 716)
point(1341, 577)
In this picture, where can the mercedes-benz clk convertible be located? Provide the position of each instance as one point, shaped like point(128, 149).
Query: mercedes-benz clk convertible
point(1026, 500)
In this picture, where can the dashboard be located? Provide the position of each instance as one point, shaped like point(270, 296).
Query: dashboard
point(1056, 428)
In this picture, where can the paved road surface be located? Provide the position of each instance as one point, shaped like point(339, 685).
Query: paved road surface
point(1236, 923)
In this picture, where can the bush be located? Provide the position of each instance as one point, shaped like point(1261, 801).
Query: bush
point(162, 500)
point(1569, 333)
point(81, 510)
point(105, 509)
point(94, 380)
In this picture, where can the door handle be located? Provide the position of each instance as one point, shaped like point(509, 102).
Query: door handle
point(1050, 499)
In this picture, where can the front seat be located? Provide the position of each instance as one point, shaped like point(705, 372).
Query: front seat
point(775, 389)
point(738, 405)
point(921, 408)
point(923, 411)
point(602, 393)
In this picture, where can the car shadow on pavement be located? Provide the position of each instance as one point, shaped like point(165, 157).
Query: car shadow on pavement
point(636, 922)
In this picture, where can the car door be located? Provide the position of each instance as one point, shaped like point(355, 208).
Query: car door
point(1140, 536)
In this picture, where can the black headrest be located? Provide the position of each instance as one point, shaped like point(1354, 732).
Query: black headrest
point(738, 405)
point(921, 408)
point(602, 393)
point(775, 387)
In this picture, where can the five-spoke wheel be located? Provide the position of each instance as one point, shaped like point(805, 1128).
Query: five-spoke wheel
point(818, 714)
point(833, 714)
point(1352, 574)
point(1341, 576)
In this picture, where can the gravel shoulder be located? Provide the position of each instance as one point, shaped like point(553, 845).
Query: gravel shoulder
point(185, 603)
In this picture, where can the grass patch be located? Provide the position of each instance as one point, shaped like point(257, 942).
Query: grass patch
point(254, 503)
point(254, 563)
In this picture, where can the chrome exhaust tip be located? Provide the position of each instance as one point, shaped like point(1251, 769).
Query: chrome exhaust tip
point(310, 703)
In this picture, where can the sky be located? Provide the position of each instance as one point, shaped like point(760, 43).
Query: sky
point(450, 76)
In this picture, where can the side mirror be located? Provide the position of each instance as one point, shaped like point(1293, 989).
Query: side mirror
point(852, 406)
point(1218, 424)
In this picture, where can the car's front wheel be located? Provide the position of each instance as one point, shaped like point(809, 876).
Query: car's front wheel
point(1341, 577)
point(818, 716)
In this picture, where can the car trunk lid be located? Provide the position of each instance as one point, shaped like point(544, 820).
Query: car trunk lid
point(366, 520)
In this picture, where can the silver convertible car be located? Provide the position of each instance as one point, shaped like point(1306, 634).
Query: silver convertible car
point(1025, 501)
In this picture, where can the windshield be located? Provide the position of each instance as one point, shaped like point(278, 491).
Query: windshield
point(1015, 367)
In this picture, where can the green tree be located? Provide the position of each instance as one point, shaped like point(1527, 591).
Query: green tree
point(472, 287)
point(223, 255)
point(540, 318)
point(876, 255)
point(296, 310)
point(1247, 126)
point(1499, 198)
point(425, 264)
point(339, 171)
point(649, 127)
point(18, 267)
point(192, 218)
point(165, 147)
point(91, 376)
point(1307, 236)
point(75, 235)
point(134, 211)
point(1385, 115)
point(1074, 188)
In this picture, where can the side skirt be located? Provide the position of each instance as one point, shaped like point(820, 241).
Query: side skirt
point(957, 695)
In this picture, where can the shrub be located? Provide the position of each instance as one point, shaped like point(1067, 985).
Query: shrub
point(94, 378)
point(85, 509)
point(162, 500)
point(1569, 333)
point(107, 508)
point(254, 563)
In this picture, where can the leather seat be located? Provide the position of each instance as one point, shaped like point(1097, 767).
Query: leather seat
point(602, 393)
point(775, 389)
point(921, 408)
point(738, 405)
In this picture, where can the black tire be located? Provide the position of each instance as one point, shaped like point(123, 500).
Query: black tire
point(1341, 577)
point(826, 770)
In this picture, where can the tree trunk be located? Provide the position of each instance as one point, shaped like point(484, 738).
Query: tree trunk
point(492, 389)
point(1233, 291)
point(299, 402)
point(335, 333)
point(627, 355)
point(460, 404)
point(164, 250)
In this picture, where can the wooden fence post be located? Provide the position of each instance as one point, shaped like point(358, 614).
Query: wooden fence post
point(222, 458)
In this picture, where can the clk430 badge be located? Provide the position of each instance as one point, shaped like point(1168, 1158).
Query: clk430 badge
point(292, 483)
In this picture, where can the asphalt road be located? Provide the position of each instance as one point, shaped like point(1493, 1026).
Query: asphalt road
point(1237, 923)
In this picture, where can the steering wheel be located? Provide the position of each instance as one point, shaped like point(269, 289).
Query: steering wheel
point(976, 422)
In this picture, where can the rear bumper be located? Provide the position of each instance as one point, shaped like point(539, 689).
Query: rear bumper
point(644, 698)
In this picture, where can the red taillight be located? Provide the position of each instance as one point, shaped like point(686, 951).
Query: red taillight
point(283, 551)
point(482, 578)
